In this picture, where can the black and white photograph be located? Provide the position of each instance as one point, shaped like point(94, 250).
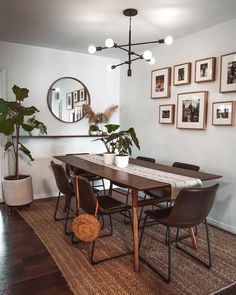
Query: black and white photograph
point(182, 74)
point(228, 73)
point(191, 110)
point(69, 101)
point(76, 96)
point(222, 113)
point(160, 87)
point(166, 114)
point(81, 95)
point(205, 70)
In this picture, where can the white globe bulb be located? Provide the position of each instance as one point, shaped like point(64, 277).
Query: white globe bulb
point(152, 61)
point(169, 40)
point(109, 43)
point(109, 68)
point(92, 49)
point(147, 54)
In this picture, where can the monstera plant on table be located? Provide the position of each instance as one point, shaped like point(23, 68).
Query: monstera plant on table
point(17, 188)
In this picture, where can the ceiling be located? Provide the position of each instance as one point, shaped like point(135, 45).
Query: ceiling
point(73, 25)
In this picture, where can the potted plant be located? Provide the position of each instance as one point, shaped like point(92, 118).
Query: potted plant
point(17, 188)
point(94, 129)
point(124, 140)
point(109, 155)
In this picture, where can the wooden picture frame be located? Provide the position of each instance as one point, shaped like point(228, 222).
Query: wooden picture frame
point(76, 96)
point(69, 101)
point(161, 82)
point(82, 94)
point(228, 73)
point(182, 74)
point(205, 70)
point(192, 110)
point(223, 113)
point(166, 114)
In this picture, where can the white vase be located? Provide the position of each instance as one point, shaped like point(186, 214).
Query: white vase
point(121, 161)
point(17, 192)
point(108, 158)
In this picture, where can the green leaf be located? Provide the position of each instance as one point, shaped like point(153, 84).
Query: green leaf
point(29, 111)
point(3, 107)
point(7, 127)
point(26, 151)
point(27, 128)
point(8, 145)
point(112, 127)
point(20, 93)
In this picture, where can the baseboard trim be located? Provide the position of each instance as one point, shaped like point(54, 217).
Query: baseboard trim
point(222, 225)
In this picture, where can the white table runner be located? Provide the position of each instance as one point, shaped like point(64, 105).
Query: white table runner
point(177, 182)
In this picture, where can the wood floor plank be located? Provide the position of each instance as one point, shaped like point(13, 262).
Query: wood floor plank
point(26, 265)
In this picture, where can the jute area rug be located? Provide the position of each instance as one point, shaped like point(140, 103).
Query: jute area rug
point(117, 276)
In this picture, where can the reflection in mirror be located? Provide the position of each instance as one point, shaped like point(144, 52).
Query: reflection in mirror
point(66, 99)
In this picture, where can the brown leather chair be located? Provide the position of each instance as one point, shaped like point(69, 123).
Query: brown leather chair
point(90, 176)
point(191, 207)
point(87, 201)
point(65, 188)
point(163, 195)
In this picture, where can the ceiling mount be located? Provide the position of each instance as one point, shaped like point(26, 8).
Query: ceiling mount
point(130, 12)
point(132, 56)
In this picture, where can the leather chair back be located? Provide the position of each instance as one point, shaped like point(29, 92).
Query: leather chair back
point(86, 198)
point(192, 206)
point(186, 166)
point(62, 180)
point(147, 159)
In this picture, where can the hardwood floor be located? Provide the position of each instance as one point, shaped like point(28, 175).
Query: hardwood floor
point(26, 266)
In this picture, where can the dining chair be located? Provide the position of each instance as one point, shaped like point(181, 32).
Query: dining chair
point(87, 201)
point(127, 192)
point(65, 189)
point(163, 195)
point(93, 178)
point(191, 208)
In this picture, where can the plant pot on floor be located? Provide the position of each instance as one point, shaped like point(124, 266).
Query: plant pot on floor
point(108, 158)
point(121, 161)
point(17, 192)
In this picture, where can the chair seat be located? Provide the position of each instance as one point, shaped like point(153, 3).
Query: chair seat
point(109, 205)
point(159, 192)
point(159, 214)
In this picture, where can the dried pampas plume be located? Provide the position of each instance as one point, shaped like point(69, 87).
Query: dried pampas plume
point(99, 117)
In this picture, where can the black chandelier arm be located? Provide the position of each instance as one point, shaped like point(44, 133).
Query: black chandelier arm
point(132, 52)
point(160, 41)
point(127, 62)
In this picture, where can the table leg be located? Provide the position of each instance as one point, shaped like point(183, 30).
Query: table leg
point(135, 228)
point(193, 237)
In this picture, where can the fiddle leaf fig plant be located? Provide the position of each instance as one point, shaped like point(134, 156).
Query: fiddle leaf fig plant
point(14, 117)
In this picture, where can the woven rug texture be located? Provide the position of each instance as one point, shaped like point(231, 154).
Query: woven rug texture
point(117, 276)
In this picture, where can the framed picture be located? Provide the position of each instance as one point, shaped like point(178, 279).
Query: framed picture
point(191, 110)
point(82, 94)
point(160, 87)
point(76, 96)
point(228, 73)
point(78, 113)
point(69, 101)
point(222, 113)
point(205, 70)
point(182, 74)
point(166, 114)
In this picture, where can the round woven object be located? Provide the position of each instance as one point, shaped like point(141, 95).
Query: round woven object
point(86, 227)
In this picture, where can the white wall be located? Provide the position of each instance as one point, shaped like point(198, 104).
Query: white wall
point(36, 69)
point(213, 149)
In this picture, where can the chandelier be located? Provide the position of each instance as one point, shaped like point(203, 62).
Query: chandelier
point(132, 56)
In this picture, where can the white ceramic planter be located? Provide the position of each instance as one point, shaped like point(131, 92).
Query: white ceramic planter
point(121, 161)
point(17, 192)
point(108, 158)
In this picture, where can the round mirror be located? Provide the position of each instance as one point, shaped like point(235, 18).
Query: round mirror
point(66, 98)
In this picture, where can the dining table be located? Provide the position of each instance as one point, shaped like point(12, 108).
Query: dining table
point(135, 182)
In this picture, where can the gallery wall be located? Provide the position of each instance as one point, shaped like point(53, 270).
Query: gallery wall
point(212, 149)
point(36, 68)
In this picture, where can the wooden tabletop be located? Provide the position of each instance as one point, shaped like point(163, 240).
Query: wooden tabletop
point(130, 180)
